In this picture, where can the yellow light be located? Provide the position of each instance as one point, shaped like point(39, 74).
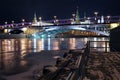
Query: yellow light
point(24, 29)
point(5, 31)
point(114, 25)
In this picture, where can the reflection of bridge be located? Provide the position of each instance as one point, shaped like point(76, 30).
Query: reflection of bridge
point(91, 25)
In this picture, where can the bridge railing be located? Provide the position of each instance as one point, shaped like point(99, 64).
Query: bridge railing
point(79, 74)
point(110, 19)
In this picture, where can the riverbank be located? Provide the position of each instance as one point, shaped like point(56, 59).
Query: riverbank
point(38, 60)
point(103, 66)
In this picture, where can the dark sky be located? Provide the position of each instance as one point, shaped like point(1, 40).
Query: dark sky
point(18, 9)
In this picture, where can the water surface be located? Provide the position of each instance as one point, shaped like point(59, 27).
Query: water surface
point(18, 55)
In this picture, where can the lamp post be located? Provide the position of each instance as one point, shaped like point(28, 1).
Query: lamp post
point(96, 14)
point(6, 24)
point(40, 21)
point(23, 21)
point(55, 17)
point(40, 18)
point(73, 19)
point(73, 15)
point(12, 23)
point(55, 20)
point(108, 19)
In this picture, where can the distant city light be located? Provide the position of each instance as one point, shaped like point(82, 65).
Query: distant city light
point(6, 22)
point(40, 18)
point(12, 22)
point(96, 13)
point(23, 20)
point(108, 17)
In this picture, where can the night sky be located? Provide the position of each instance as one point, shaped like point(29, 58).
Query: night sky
point(18, 9)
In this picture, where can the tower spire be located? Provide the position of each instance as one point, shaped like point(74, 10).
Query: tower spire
point(35, 18)
point(77, 20)
point(84, 15)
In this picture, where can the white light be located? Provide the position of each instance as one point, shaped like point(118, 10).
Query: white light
point(42, 43)
point(24, 29)
point(42, 36)
point(48, 43)
point(34, 44)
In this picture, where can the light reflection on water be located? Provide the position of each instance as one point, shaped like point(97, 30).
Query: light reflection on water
point(12, 51)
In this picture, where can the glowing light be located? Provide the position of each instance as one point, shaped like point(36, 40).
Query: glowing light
point(6, 22)
point(39, 48)
point(23, 43)
point(23, 20)
point(24, 29)
point(12, 22)
point(85, 40)
point(42, 44)
point(62, 39)
point(95, 43)
point(108, 17)
point(96, 13)
point(72, 43)
point(73, 15)
point(40, 18)
point(40, 23)
point(48, 43)
point(49, 35)
point(42, 36)
point(5, 31)
point(34, 44)
point(55, 17)
point(55, 45)
point(114, 25)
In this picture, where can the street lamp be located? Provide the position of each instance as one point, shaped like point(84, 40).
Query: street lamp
point(108, 18)
point(40, 18)
point(55, 19)
point(23, 20)
point(12, 23)
point(96, 14)
point(6, 24)
point(40, 22)
point(73, 15)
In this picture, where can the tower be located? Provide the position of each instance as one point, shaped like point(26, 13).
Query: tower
point(102, 19)
point(77, 20)
point(85, 16)
point(35, 18)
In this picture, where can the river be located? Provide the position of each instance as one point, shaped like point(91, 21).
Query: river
point(15, 58)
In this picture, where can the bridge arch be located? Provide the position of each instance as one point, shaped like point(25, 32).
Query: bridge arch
point(53, 30)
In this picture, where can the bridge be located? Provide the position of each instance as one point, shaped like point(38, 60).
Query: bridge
point(57, 27)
